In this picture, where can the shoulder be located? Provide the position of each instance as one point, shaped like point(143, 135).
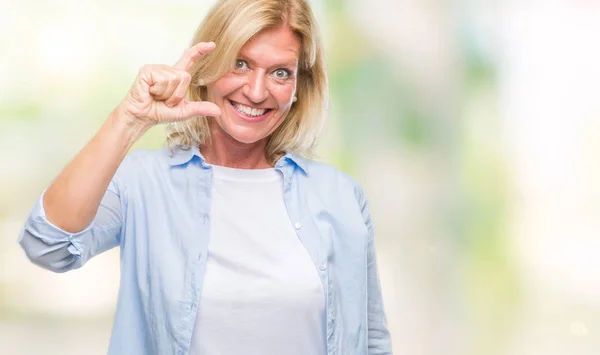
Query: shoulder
point(329, 178)
point(138, 158)
point(146, 163)
point(337, 191)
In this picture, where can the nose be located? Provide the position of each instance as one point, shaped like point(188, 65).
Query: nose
point(256, 87)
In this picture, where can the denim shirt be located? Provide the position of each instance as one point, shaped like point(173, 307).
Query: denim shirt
point(157, 210)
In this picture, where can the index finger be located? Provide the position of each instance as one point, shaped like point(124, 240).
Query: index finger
point(192, 54)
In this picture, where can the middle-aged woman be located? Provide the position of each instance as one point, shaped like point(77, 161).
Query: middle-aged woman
point(232, 240)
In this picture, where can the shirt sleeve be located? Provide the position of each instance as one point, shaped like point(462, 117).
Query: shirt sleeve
point(54, 249)
point(379, 339)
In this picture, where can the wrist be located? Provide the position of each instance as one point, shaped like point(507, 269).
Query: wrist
point(129, 127)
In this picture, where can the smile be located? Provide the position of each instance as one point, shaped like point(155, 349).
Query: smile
point(248, 113)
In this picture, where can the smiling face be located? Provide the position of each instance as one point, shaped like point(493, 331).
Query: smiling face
point(256, 96)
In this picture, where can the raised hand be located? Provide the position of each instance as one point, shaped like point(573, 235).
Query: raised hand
point(158, 93)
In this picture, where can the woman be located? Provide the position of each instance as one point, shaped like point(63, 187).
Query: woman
point(232, 241)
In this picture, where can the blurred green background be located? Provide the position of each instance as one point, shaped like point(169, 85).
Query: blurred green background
point(473, 125)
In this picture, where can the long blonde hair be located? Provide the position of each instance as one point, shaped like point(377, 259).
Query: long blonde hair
point(230, 24)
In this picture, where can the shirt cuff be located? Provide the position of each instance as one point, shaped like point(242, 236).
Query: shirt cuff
point(45, 230)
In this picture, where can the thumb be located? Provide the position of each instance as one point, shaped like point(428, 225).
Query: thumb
point(191, 109)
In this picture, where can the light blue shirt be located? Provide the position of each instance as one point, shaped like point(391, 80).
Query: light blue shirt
point(157, 210)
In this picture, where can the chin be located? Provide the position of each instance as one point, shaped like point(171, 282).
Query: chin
point(245, 135)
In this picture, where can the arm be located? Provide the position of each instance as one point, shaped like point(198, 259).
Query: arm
point(379, 340)
point(80, 214)
point(73, 198)
point(58, 250)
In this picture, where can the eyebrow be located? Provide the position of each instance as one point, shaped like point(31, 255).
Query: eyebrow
point(291, 63)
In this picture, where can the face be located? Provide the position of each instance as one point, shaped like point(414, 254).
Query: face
point(256, 96)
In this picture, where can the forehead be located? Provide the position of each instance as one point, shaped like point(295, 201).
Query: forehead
point(273, 46)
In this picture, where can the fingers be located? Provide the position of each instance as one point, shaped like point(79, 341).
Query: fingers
point(192, 54)
point(169, 85)
point(160, 90)
point(179, 91)
point(163, 87)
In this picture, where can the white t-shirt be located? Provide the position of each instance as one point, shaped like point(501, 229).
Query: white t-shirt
point(261, 293)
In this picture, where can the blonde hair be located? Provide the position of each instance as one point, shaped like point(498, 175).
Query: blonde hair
point(230, 24)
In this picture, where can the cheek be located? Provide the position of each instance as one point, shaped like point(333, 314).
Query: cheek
point(224, 86)
point(283, 94)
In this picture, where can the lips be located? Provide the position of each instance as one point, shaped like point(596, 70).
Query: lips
point(244, 112)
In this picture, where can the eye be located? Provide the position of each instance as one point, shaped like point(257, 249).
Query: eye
point(241, 64)
point(282, 73)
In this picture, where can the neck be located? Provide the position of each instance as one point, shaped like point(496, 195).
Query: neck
point(224, 150)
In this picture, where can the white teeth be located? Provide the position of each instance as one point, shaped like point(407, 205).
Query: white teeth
point(249, 111)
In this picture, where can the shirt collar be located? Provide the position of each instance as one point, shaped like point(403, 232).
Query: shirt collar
point(297, 159)
point(183, 154)
point(180, 155)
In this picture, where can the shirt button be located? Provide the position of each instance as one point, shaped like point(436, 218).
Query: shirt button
point(323, 267)
point(298, 225)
